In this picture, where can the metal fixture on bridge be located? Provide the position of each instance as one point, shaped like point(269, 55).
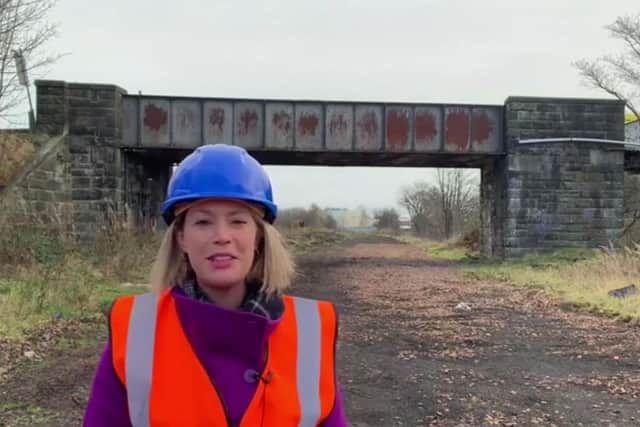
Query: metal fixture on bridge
point(633, 145)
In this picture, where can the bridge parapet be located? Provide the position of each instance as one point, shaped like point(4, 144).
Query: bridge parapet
point(163, 122)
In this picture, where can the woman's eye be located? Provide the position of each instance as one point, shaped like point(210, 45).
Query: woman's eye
point(202, 222)
point(239, 221)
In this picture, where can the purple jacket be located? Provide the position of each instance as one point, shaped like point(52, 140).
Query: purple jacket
point(226, 352)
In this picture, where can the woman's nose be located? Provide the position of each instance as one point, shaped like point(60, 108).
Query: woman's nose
point(221, 233)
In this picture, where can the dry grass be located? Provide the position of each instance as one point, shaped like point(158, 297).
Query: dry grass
point(125, 255)
point(45, 276)
point(454, 249)
point(303, 240)
point(40, 293)
point(579, 278)
point(16, 150)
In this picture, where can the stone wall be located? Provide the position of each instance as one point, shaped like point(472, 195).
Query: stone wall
point(51, 106)
point(92, 115)
point(42, 195)
point(561, 194)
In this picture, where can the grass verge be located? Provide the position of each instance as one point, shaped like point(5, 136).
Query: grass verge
point(302, 240)
point(450, 250)
point(45, 277)
point(580, 278)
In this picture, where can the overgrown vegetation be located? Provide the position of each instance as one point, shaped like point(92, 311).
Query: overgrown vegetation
point(579, 278)
point(313, 217)
point(16, 150)
point(301, 240)
point(45, 276)
point(461, 248)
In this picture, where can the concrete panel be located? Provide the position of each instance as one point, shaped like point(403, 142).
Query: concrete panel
point(186, 124)
point(368, 128)
point(218, 122)
point(130, 121)
point(457, 136)
point(248, 124)
point(428, 129)
point(154, 116)
point(398, 128)
point(485, 130)
point(309, 127)
point(339, 127)
point(279, 125)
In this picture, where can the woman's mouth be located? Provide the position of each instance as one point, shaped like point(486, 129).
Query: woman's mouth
point(221, 261)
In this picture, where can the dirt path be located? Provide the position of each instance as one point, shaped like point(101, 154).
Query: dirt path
point(407, 356)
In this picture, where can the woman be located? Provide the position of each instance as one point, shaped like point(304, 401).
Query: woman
point(217, 343)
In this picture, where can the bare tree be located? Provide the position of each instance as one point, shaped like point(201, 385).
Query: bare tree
point(24, 30)
point(417, 200)
point(443, 209)
point(455, 191)
point(618, 75)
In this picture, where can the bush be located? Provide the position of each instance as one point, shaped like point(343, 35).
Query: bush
point(470, 240)
point(314, 217)
point(387, 219)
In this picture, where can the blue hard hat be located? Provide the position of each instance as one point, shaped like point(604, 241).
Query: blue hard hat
point(219, 171)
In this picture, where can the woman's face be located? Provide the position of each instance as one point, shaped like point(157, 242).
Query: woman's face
point(220, 239)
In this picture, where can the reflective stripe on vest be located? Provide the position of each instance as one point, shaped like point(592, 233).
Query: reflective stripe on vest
point(140, 354)
point(309, 343)
point(139, 357)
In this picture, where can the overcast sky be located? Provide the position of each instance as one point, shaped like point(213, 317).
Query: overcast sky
point(429, 51)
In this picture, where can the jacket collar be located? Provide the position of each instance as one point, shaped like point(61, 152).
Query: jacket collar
point(254, 300)
point(218, 332)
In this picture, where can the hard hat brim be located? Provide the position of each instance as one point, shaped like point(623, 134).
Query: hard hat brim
point(168, 207)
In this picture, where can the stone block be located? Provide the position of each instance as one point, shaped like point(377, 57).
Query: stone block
point(87, 103)
point(80, 182)
point(50, 109)
point(548, 107)
point(57, 91)
point(521, 106)
point(576, 108)
point(85, 194)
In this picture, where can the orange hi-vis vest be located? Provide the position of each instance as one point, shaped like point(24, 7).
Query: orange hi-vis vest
point(168, 386)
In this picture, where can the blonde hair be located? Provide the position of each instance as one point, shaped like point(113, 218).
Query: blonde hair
point(273, 266)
